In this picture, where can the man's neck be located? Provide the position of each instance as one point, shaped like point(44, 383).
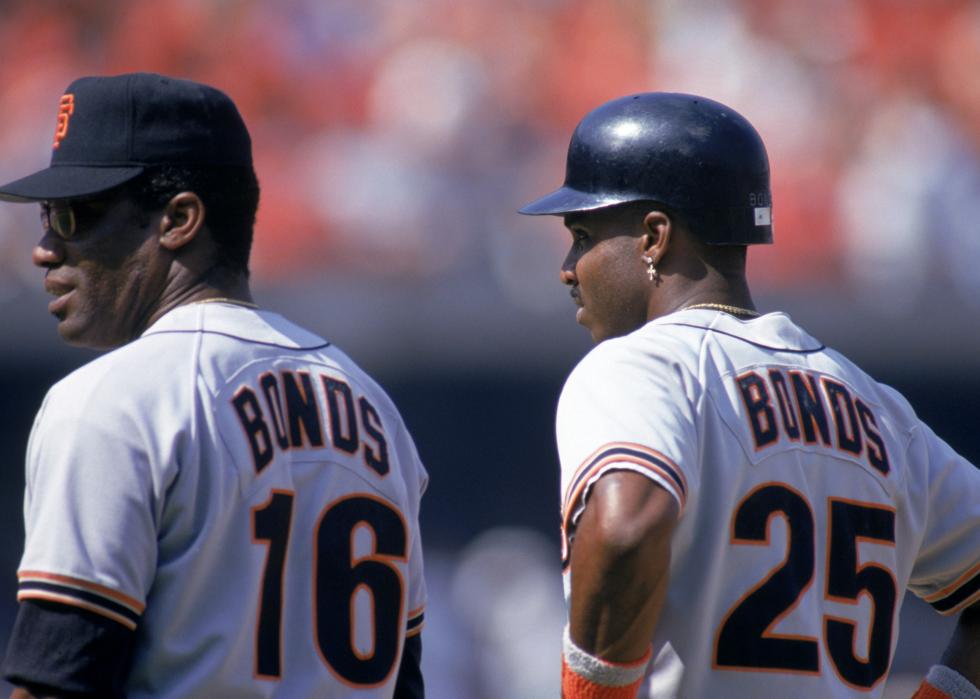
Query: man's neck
point(712, 290)
point(205, 290)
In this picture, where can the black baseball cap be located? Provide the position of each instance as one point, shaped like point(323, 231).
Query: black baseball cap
point(111, 128)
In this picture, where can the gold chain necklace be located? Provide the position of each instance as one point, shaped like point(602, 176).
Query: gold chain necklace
point(733, 310)
point(223, 299)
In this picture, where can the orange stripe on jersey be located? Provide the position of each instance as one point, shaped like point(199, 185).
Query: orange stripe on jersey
point(25, 576)
point(959, 595)
point(48, 596)
point(961, 602)
point(416, 621)
point(646, 458)
point(632, 446)
point(949, 589)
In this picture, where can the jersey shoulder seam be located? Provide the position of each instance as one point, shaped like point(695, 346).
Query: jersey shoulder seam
point(302, 348)
point(792, 350)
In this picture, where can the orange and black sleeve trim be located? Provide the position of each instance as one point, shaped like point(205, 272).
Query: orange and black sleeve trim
point(956, 597)
point(416, 620)
point(82, 594)
point(624, 455)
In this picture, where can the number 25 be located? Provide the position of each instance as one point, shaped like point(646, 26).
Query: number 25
point(746, 641)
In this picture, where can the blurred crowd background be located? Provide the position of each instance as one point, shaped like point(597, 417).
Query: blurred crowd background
point(394, 141)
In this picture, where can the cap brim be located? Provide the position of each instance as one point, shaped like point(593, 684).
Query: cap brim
point(67, 182)
point(566, 200)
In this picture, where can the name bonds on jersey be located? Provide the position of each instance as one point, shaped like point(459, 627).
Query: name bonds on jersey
point(802, 400)
point(289, 416)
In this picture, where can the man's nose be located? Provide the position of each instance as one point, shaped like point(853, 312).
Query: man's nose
point(567, 273)
point(49, 251)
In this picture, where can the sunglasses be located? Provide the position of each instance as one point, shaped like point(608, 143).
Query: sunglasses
point(58, 216)
point(64, 216)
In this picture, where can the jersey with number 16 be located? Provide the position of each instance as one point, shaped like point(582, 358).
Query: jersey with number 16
point(249, 507)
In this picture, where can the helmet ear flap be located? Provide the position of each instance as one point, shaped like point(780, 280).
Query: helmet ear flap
point(697, 156)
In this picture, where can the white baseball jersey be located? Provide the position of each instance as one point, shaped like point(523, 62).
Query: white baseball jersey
point(811, 497)
point(240, 493)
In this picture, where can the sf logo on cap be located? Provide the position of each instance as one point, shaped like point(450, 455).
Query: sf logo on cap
point(65, 109)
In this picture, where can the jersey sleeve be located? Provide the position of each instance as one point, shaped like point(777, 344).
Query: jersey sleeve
point(622, 410)
point(91, 509)
point(417, 480)
point(945, 499)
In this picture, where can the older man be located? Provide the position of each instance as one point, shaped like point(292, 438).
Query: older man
point(225, 504)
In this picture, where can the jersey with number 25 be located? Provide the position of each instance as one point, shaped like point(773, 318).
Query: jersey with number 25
point(243, 497)
point(811, 498)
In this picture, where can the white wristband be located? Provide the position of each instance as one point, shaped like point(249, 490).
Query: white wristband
point(953, 683)
point(598, 670)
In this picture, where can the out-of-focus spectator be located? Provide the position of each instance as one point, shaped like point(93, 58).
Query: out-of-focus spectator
point(383, 127)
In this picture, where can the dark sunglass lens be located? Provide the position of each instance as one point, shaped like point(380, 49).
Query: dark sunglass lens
point(62, 220)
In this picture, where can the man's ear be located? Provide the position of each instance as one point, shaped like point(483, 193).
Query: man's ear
point(656, 238)
point(183, 217)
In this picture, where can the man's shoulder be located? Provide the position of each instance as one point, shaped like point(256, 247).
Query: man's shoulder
point(650, 345)
point(134, 375)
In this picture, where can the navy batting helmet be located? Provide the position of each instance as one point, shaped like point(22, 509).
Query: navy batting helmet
point(689, 153)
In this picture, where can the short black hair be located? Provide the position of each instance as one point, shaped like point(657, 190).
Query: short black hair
point(231, 200)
